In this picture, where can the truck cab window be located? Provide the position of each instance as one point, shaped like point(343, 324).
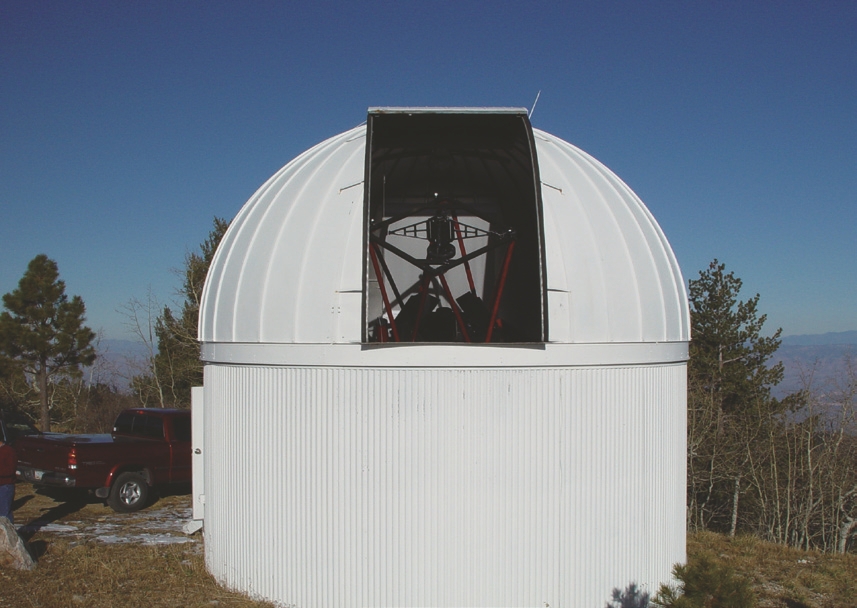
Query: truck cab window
point(181, 428)
point(124, 423)
point(152, 426)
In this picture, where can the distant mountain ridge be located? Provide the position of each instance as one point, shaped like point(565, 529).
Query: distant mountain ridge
point(118, 361)
point(131, 348)
point(838, 337)
point(819, 358)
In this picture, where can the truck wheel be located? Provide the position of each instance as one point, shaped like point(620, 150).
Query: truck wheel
point(129, 493)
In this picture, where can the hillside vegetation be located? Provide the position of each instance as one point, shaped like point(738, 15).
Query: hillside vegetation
point(780, 576)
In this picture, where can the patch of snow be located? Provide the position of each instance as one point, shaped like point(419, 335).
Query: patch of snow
point(143, 539)
point(152, 527)
point(40, 526)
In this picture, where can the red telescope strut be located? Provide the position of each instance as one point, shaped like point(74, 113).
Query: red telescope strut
point(463, 253)
point(499, 293)
point(383, 291)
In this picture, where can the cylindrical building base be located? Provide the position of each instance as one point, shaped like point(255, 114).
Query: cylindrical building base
point(347, 486)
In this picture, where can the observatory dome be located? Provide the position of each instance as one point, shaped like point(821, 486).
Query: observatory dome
point(292, 270)
point(445, 365)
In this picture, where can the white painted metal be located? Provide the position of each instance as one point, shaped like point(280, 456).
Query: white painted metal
point(290, 267)
point(444, 487)
point(609, 264)
point(447, 355)
point(343, 474)
point(197, 400)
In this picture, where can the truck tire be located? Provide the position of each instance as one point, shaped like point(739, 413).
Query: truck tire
point(129, 493)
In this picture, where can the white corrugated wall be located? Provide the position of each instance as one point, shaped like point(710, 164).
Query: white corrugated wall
point(342, 486)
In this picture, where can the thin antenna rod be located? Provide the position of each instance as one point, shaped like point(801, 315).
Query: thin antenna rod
point(533, 109)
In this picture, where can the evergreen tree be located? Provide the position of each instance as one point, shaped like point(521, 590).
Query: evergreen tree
point(728, 354)
point(15, 391)
point(176, 367)
point(729, 397)
point(43, 332)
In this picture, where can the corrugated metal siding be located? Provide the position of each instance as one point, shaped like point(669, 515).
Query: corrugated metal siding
point(444, 487)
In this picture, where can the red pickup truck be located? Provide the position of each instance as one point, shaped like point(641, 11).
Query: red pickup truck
point(148, 447)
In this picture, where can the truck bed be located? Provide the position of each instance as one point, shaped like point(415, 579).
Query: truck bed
point(155, 444)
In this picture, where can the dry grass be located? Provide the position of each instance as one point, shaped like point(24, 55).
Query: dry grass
point(781, 576)
point(98, 575)
point(75, 571)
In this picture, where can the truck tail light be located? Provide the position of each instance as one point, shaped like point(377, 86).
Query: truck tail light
point(72, 459)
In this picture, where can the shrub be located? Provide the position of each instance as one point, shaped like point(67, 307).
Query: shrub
point(705, 584)
point(632, 597)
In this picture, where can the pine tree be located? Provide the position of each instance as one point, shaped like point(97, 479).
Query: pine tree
point(728, 354)
point(43, 332)
point(730, 382)
point(176, 367)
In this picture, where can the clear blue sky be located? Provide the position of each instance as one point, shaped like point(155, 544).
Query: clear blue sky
point(126, 127)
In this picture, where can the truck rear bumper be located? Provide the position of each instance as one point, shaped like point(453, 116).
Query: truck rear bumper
point(47, 478)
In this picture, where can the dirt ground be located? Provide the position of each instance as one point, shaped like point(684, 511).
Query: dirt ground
point(88, 555)
point(81, 518)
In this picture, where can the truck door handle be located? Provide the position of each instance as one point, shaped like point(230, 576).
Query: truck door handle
point(197, 451)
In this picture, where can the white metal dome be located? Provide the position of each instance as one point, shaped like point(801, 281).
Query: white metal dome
point(437, 472)
point(290, 267)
